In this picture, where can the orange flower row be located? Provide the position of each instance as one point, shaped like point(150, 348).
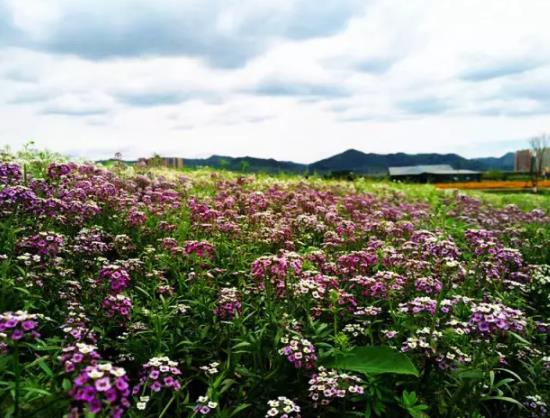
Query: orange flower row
point(489, 184)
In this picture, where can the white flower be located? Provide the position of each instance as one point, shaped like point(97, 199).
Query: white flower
point(105, 366)
point(95, 374)
point(118, 371)
point(272, 412)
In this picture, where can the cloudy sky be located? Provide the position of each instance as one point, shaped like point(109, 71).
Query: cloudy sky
point(297, 80)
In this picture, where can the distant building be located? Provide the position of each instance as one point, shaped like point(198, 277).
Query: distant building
point(432, 174)
point(523, 160)
point(170, 162)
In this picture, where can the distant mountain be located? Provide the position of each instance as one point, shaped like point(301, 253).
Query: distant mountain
point(246, 164)
point(504, 163)
point(360, 162)
point(350, 160)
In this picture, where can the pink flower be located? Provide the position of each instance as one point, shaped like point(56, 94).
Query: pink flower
point(103, 384)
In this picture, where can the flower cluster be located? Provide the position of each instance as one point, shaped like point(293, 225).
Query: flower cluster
point(116, 276)
point(424, 341)
point(496, 318)
point(136, 217)
point(327, 385)
point(354, 330)
point(299, 351)
point(44, 244)
point(419, 305)
point(101, 387)
point(10, 173)
point(211, 369)
point(181, 308)
point(57, 170)
point(452, 357)
point(311, 285)
point(283, 407)
point(367, 311)
point(539, 287)
point(91, 242)
point(379, 285)
point(78, 356)
point(76, 326)
point(159, 373)
point(276, 269)
point(18, 326)
point(357, 262)
point(118, 306)
point(204, 405)
point(428, 285)
point(228, 304)
point(536, 406)
point(199, 248)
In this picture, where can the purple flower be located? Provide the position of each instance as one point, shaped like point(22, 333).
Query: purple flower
point(483, 326)
point(94, 406)
point(17, 335)
point(87, 394)
point(77, 357)
point(103, 385)
point(121, 384)
point(10, 323)
point(111, 395)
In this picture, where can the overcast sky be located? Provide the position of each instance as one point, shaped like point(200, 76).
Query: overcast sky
point(295, 80)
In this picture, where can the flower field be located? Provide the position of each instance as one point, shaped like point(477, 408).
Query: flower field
point(202, 293)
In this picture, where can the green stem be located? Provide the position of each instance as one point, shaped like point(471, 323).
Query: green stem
point(335, 323)
point(17, 381)
point(167, 405)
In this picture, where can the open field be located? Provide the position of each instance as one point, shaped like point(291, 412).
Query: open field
point(164, 293)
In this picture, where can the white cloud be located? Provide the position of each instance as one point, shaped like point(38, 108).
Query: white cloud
point(295, 80)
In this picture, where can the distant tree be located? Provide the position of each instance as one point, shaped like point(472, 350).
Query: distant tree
point(5, 152)
point(118, 165)
point(539, 147)
point(494, 175)
point(155, 160)
point(245, 165)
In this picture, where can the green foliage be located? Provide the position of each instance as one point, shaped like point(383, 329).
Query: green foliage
point(374, 361)
point(410, 403)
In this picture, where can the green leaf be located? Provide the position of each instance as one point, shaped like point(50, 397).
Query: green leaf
point(374, 360)
point(519, 338)
point(502, 398)
point(241, 345)
point(240, 408)
point(38, 391)
point(46, 368)
point(66, 384)
point(469, 373)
